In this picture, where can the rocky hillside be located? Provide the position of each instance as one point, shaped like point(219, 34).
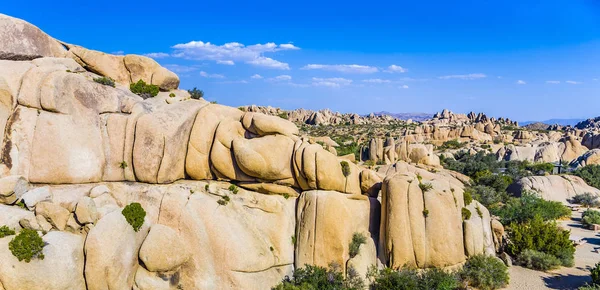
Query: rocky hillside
point(593, 123)
point(133, 184)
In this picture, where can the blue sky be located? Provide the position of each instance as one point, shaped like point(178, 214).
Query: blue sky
point(527, 60)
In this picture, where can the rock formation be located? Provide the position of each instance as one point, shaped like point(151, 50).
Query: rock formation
point(555, 187)
point(76, 152)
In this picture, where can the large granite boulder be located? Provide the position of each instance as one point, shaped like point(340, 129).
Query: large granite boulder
point(20, 40)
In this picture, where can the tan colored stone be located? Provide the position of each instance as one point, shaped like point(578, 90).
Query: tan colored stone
point(55, 214)
point(104, 64)
point(86, 211)
point(202, 136)
point(23, 41)
point(262, 125)
point(266, 158)
point(370, 182)
point(163, 249)
point(12, 188)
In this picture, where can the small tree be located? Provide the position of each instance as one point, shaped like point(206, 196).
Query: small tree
point(357, 240)
point(196, 93)
point(134, 213)
point(27, 245)
point(144, 90)
point(346, 172)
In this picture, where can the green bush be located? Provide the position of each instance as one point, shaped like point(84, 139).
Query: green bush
point(105, 81)
point(542, 236)
point(538, 261)
point(27, 245)
point(409, 279)
point(589, 287)
point(234, 189)
point(595, 273)
point(134, 213)
point(452, 144)
point(425, 187)
point(315, 277)
point(357, 240)
point(345, 171)
point(196, 93)
point(466, 213)
point(425, 212)
point(485, 272)
point(144, 90)
point(283, 115)
point(591, 175)
point(5, 232)
point(486, 195)
point(590, 217)
point(172, 95)
point(586, 199)
point(523, 209)
point(467, 197)
point(541, 168)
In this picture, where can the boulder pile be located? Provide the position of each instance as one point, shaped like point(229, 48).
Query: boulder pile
point(234, 199)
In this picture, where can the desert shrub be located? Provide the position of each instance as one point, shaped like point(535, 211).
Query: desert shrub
point(5, 232)
point(425, 187)
point(345, 171)
point(315, 277)
point(134, 213)
point(541, 168)
point(467, 197)
point(485, 272)
point(369, 163)
point(486, 195)
point(357, 240)
point(196, 93)
point(590, 217)
point(27, 245)
point(105, 81)
point(171, 95)
point(407, 278)
point(466, 213)
point(586, 199)
point(452, 144)
point(523, 209)
point(283, 115)
point(590, 174)
point(589, 287)
point(542, 236)
point(537, 260)
point(499, 182)
point(144, 90)
point(595, 273)
point(123, 165)
point(479, 213)
point(234, 189)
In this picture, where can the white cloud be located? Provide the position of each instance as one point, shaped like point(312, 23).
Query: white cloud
point(232, 82)
point(212, 76)
point(377, 81)
point(573, 82)
point(226, 62)
point(343, 68)
point(269, 63)
point(395, 69)
point(521, 82)
point(157, 55)
point(256, 76)
point(230, 52)
point(403, 87)
point(181, 68)
point(280, 78)
point(553, 82)
point(595, 80)
point(464, 77)
point(331, 82)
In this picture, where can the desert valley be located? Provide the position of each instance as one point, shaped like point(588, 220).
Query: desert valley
point(114, 177)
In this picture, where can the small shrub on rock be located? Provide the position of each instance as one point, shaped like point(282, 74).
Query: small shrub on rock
point(27, 245)
point(196, 93)
point(485, 272)
point(409, 279)
point(538, 261)
point(234, 189)
point(467, 197)
point(315, 277)
point(5, 232)
point(171, 95)
point(466, 213)
point(357, 240)
point(134, 214)
point(144, 90)
point(425, 187)
point(586, 199)
point(105, 81)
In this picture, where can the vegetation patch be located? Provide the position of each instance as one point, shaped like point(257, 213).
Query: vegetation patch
point(196, 93)
point(590, 174)
point(485, 272)
point(5, 232)
point(538, 261)
point(357, 240)
point(105, 81)
point(144, 90)
point(27, 245)
point(134, 213)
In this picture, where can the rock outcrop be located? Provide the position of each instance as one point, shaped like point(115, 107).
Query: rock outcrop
point(234, 199)
point(555, 187)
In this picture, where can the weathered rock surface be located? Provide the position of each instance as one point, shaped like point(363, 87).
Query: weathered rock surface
point(555, 187)
point(20, 40)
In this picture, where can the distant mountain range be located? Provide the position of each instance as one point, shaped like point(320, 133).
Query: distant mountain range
point(562, 122)
point(405, 116)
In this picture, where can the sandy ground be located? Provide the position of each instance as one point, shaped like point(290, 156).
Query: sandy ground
point(586, 256)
